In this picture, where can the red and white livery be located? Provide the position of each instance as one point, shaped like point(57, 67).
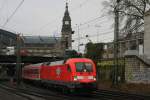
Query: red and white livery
point(72, 73)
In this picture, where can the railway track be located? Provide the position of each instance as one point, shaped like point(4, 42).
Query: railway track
point(44, 94)
point(13, 91)
point(32, 94)
point(117, 95)
point(28, 91)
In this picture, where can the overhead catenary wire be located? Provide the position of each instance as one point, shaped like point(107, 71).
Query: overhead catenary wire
point(84, 27)
point(110, 39)
point(92, 20)
point(73, 9)
point(95, 35)
point(80, 5)
point(10, 17)
point(88, 23)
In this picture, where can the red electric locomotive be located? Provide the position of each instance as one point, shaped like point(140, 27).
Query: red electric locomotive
point(72, 73)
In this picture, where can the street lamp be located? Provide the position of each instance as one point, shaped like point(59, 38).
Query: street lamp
point(87, 36)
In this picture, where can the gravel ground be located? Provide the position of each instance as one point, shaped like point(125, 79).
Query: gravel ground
point(5, 95)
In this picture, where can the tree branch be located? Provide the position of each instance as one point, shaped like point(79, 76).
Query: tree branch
point(123, 12)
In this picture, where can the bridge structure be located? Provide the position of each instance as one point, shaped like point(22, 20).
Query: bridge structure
point(10, 67)
point(12, 59)
point(17, 51)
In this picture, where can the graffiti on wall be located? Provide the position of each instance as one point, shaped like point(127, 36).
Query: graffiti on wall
point(141, 76)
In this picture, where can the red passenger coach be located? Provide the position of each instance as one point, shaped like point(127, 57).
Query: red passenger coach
point(72, 73)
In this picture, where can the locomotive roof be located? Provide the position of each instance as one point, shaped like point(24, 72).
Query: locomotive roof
point(60, 62)
point(34, 65)
point(79, 59)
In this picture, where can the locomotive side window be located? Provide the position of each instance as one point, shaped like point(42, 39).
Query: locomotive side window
point(83, 66)
point(68, 68)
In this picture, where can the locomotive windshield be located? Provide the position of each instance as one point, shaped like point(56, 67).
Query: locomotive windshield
point(84, 67)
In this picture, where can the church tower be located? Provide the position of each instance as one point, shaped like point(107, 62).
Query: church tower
point(66, 38)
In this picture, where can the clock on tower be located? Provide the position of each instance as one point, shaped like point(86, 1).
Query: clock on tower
point(66, 22)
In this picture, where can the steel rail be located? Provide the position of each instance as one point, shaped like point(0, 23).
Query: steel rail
point(13, 91)
point(120, 95)
point(44, 94)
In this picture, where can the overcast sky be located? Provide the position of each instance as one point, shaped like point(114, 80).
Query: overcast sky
point(44, 17)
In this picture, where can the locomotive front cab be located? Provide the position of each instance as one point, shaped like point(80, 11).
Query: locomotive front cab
point(84, 72)
point(83, 69)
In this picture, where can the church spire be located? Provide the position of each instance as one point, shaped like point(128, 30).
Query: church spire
point(66, 6)
point(66, 38)
point(66, 11)
point(66, 20)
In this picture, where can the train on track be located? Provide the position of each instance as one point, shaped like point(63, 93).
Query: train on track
point(73, 73)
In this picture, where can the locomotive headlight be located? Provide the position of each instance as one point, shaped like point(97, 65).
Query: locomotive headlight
point(94, 78)
point(75, 78)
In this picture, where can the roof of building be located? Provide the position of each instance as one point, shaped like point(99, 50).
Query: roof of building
point(7, 33)
point(41, 39)
point(32, 39)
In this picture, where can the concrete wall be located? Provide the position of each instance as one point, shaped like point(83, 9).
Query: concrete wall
point(147, 34)
point(136, 71)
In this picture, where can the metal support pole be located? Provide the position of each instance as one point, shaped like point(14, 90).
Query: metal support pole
point(78, 39)
point(116, 33)
point(1, 44)
point(18, 64)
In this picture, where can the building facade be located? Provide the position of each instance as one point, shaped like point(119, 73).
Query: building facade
point(39, 45)
point(7, 42)
point(127, 44)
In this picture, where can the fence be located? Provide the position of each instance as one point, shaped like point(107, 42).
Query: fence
point(105, 70)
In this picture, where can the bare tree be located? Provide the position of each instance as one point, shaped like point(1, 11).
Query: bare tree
point(131, 14)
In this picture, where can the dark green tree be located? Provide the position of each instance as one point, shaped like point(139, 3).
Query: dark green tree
point(94, 51)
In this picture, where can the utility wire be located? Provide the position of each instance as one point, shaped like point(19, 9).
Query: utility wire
point(80, 5)
point(88, 22)
point(104, 33)
point(110, 39)
point(13, 13)
point(51, 22)
point(92, 20)
point(88, 25)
